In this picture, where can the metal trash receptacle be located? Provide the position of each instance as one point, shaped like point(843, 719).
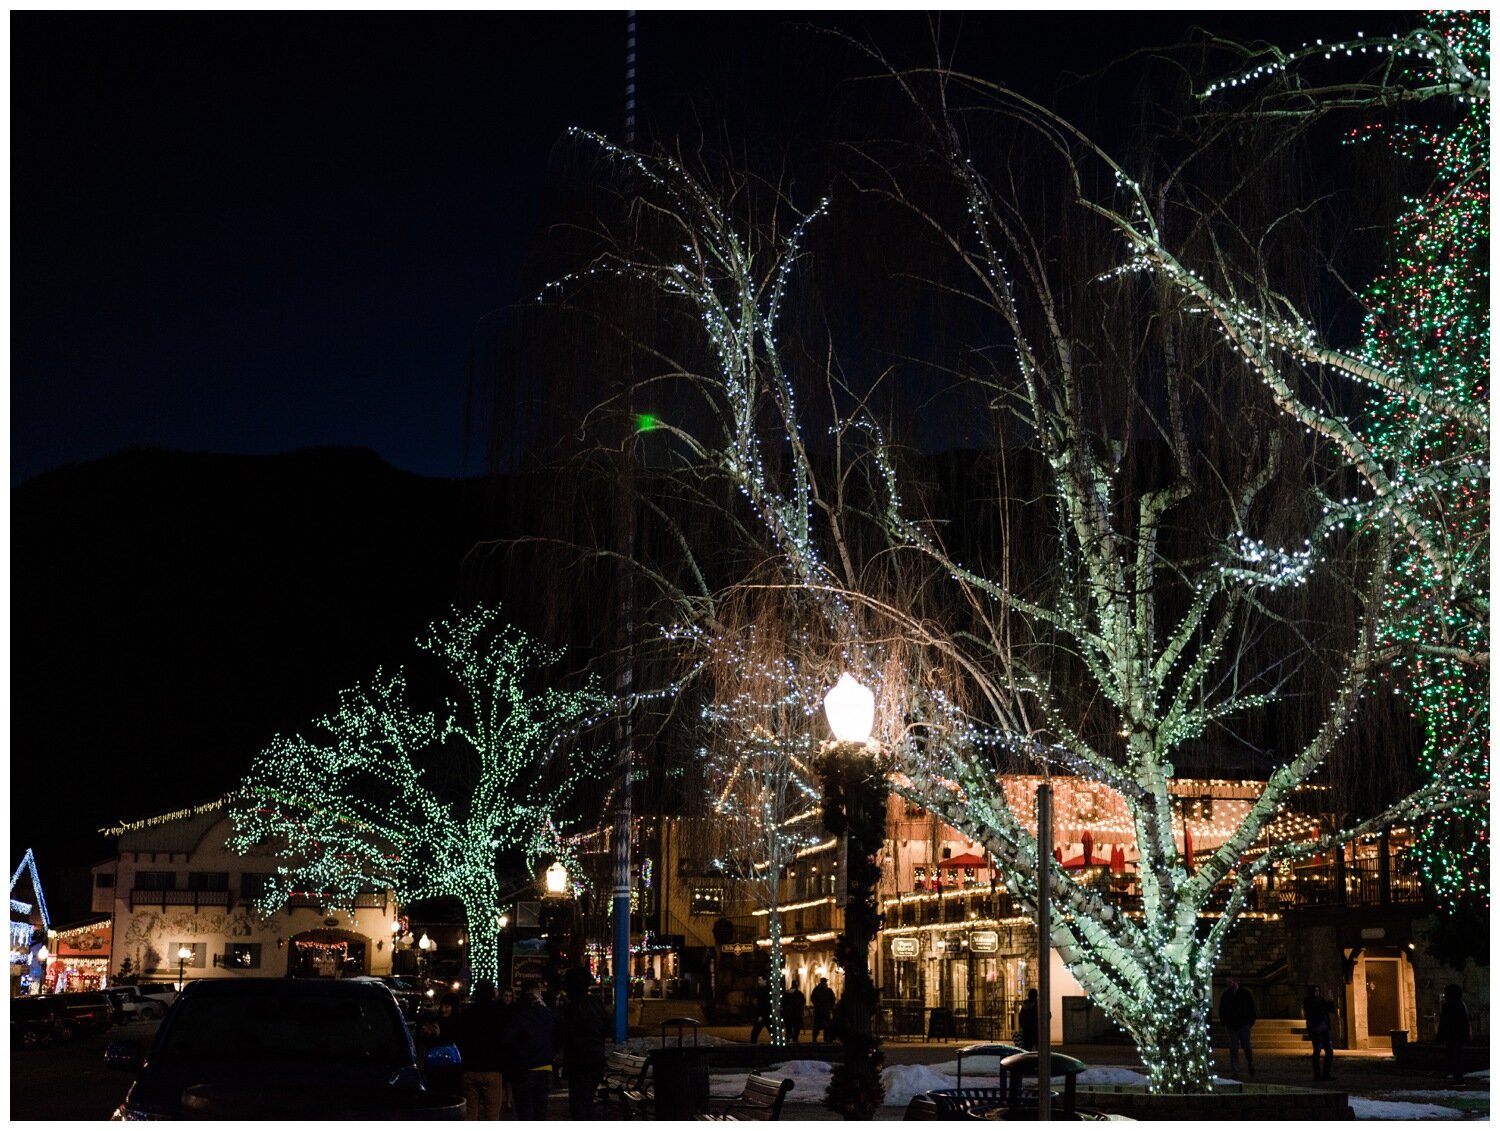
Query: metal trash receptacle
point(679, 1073)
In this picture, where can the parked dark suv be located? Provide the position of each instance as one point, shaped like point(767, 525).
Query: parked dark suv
point(280, 1048)
point(36, 1021)
point(86, 1011)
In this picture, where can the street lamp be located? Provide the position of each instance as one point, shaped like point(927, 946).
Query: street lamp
point(850, 707)
point(183, 954)
point(556, 879)
point(853, 772)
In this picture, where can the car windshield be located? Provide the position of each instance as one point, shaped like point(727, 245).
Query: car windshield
point(267, 1029)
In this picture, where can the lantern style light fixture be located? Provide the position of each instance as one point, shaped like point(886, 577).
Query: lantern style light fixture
point(850, 707)
point(426, 943)
point(184, 952)
point(556, 879)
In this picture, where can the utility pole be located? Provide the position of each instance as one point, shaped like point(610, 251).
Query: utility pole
point(625, 685)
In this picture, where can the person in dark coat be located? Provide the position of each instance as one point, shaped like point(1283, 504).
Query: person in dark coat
point(1237, 1012)
point(1315, 1009)
point(1027, 1021)
point(477, 1034)
point(583, 1025)
point(793, 1008)
point(762, 1009)
point(822, 1005)
point(1453, 1030)
point(528, 1039)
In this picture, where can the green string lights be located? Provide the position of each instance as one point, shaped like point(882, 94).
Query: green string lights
point(382, 794)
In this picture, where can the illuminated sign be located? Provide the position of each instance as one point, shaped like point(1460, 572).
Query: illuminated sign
point(984, 942)
point(905, 947)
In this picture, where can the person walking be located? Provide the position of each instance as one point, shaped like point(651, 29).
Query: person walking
point(1453, 1030)
point(528, 1038)
point(762, 1009)
point(793, 1008)
point(1026, 1022)
point(583, 1026)
point(1237, 1012)
point(1316, 1010)
point(822, 1004)
point(477, 1034)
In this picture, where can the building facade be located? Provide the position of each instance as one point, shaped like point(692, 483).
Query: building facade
point(183, 906)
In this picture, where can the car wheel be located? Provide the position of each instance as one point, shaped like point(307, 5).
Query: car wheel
point(155, 1012)
point(30, 1038)
point(69, 1031)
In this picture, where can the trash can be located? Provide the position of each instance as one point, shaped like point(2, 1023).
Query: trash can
point(679, 1073)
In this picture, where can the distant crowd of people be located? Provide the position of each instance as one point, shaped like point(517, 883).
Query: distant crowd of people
point(513, 1046)
point(794, 1003)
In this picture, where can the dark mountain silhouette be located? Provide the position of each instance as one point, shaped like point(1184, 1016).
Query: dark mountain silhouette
point(172, 612)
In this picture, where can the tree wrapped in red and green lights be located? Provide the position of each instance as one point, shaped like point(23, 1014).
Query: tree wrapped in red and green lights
point(1428, 321)
point(384, 794)
point(1421, 444)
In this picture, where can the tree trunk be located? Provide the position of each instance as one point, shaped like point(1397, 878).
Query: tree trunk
point(484, 938)
point(774, 1021)
point(1170, 1027)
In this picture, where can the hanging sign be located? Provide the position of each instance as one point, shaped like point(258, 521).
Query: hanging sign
point(905, 946)
point(984, 942)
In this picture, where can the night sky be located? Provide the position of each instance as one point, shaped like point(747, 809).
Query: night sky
point(254, 233)
point(259, 232)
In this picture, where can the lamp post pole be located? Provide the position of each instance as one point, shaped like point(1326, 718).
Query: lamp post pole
point(853, 771)
point(183, 954)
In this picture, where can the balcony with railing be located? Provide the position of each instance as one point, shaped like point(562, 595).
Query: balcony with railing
point(177, 897)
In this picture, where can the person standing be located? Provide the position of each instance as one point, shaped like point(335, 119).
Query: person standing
point(1315, 1009)
point(1237, 1012)
point(583, 1026)
point(528, 1038)
point(1027, 1021)
point(822, 1004)
point(762, 1009)
point(793, 1009)
point(1453, 1030)
point(477, 1034)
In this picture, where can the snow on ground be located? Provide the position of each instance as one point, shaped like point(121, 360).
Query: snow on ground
point(1385, 1109)
point(903, 1081)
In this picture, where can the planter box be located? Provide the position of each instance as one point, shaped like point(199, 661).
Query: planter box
point(1229, 1102)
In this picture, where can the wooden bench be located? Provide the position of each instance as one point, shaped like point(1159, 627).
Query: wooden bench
point(625, 1078)
point(761, 1098)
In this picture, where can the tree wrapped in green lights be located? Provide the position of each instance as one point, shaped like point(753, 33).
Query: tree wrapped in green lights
point(384, 794)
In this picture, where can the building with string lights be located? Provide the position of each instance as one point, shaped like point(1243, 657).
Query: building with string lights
point(183, 905)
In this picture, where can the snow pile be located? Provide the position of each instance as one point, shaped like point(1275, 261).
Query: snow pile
point(903, 1081)
point(1386, 1109)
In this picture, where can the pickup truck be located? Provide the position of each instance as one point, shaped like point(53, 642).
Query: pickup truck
point(132, 1005)
point(281, 1048)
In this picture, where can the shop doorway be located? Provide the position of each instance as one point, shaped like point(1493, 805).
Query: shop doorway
point(328, 954)
point(1382, 999)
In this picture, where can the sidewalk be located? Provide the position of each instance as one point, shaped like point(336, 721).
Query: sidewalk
point(1367, 1075)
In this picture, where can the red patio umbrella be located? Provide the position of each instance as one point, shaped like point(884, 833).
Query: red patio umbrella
point(1117, 859)
point(1187, 844)
point(1088, 847)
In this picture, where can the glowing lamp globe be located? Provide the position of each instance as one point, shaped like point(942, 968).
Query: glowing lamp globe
point(185, 953)
point(557, 879)
point(395, 926)
point(850, 707)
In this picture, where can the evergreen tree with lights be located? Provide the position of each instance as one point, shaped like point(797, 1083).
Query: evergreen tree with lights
point(1420, 446)
point(382, 793)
